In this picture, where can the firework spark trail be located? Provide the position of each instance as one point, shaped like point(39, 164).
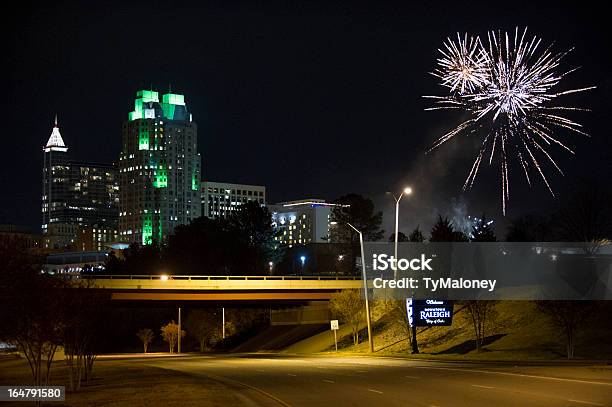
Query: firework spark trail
point(506, 84)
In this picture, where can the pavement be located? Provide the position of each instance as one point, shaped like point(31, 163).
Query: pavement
point(297, 380)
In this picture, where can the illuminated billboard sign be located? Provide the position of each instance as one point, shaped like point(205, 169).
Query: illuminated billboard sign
point(429, 312)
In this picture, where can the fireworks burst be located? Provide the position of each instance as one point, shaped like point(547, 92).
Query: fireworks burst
point(508, 88)
point(462, 66)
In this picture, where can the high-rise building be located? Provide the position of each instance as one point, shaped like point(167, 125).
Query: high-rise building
point(220, 199)
point(302, 222)
point(75, 193)
point(159, 168)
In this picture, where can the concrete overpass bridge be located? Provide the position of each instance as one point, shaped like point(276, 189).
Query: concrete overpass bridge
point(221, 288)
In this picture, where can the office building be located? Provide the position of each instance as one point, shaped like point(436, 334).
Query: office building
point(92, 238)
point(302, 222)
point(74, 193)
point(159, 168)
point(220, 199)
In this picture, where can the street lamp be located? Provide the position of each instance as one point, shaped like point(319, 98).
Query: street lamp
point(303, 260)
point(365, 288)
point(179, 330)
point(406, 191)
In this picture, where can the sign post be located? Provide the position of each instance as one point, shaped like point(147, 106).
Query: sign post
point(334, 327)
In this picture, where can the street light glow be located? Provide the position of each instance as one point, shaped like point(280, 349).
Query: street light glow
point(407, 190)
point(163, 277)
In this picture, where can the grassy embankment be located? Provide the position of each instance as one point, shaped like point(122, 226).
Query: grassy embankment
point(517, 332)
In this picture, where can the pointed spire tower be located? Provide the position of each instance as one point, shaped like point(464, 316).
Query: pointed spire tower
point(55, 143)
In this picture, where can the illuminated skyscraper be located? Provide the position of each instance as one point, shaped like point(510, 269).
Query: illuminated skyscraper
point(159, 168)
point(56, 181)
point(74, 194)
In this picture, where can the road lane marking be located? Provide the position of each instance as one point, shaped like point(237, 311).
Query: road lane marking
point(585, 402)
point(362, 371)
point(375, 391)
point(260, 371)
point(328, 381)
point(513, 374)
point(291, 374)
point(227, 380)
point(483, 387)
point(412, 377)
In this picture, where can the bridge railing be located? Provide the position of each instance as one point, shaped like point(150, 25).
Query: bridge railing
point(189, 278)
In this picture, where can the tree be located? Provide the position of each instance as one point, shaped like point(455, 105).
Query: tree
point(252, 223)
point(204, 325)
point(32, 311)
point(170, 333)
point(349, 306)
point(443, 231)
point(416, 236)
point(241, 320)
point(481, 312)
point(584, 213)
point(204, 244)
point(530, 228)
point(482, 230)
point(401, 237)
point(146, 336)
point(241, 244)
point(567, 315)
point(137, 259)
point(359, 212)
point(399, 317)
point(83, 329)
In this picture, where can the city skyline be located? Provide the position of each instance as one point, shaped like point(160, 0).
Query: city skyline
point(306, 203)
point(256, 115)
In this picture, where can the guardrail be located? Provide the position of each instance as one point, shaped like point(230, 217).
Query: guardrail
point(163, 277)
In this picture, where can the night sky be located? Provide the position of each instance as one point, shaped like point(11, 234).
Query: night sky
point(315, 100)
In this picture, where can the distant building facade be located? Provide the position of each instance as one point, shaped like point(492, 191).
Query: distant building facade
point(302, 222)
point(95, 238)
point(159, 169)
point(220, 199)
point(18, 236)
point(74, 193)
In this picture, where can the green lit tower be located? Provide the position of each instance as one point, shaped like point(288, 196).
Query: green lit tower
point(159, 168)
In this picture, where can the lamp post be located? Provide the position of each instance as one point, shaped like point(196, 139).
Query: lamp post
point(365, 288)
point(406, 191)
point(179, 330)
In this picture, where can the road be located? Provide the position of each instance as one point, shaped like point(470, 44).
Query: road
point(359, 381)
